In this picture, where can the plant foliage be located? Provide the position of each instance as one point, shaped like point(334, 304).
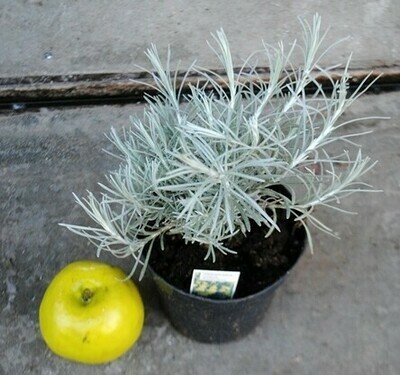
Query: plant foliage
point(203, 164)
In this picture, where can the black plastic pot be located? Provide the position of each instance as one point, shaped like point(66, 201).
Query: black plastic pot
point(216, 321)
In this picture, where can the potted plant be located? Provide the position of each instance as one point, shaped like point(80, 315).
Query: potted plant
point(227, 176)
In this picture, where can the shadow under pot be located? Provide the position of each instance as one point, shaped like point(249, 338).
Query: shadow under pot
point(263, 263)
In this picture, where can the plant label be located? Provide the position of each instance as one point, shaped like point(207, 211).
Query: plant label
point(214, 284)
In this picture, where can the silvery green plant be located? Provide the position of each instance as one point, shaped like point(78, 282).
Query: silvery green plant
point(203, 164)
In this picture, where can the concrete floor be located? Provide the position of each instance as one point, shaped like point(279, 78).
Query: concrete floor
point(40, 37)
point(338, 313)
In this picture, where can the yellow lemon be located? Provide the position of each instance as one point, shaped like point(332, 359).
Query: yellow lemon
point(90, 314)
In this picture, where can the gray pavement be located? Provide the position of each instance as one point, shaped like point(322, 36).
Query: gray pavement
point(41, 37)
point(338, 313)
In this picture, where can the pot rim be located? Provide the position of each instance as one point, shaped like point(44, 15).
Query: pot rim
point(240, 299)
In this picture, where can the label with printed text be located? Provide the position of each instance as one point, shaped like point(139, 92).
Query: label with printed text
point(214, 284)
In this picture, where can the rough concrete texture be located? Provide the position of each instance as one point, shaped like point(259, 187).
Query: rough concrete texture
point(338, 313)
point(40, 37)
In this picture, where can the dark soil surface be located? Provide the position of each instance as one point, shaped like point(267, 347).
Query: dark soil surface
point(261, 261)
